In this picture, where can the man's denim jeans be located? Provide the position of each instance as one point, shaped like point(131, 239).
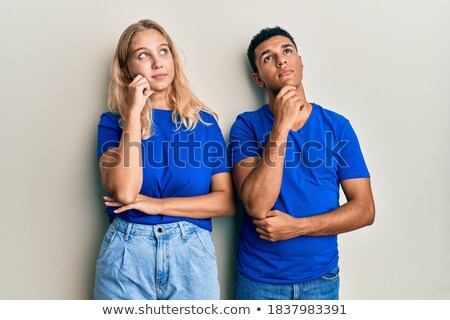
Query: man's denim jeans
point(324, 288)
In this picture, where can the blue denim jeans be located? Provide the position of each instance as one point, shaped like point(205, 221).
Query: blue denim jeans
point(152, 262)
point(324, 288)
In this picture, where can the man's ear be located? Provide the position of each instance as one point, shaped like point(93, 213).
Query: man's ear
point(258, 80)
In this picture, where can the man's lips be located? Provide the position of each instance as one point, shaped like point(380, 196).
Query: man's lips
point(285, 73)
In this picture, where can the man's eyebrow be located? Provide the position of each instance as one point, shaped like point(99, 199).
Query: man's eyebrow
point(264, 53)
point(287, 45)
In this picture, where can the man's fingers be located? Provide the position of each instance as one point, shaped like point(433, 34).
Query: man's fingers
point(286, 89)
point(262, 232)
point(272, 213)
point(287, 93)
point(267, 238)
point(259, 222)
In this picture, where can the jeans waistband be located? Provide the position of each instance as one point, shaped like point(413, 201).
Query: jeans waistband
point(157, 230)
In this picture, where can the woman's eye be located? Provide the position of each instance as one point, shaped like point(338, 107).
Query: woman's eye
point(163, 51)
point(142, 55)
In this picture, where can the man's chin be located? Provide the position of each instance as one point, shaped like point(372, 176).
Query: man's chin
point(291, 82)
point(288, 82)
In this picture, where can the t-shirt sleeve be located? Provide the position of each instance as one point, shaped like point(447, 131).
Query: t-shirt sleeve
point(109, 133)
point(352, 164)
point(216, 152)
point(243, 143)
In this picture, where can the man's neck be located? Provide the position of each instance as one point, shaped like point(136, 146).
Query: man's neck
point(302, 117)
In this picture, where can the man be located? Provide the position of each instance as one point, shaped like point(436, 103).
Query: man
point(289, 158)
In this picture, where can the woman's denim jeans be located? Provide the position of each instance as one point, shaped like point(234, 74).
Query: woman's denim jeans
point(167, 261)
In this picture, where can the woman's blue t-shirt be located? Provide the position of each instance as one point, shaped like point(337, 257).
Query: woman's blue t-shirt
point(176, 163)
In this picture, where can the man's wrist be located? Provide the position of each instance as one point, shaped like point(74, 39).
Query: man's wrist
point(279, 132)
point(300, 225)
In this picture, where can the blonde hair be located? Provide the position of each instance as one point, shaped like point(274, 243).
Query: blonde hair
point(186, 106)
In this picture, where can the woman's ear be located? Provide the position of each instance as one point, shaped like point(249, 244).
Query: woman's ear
point(258, 80)
point(126, 74)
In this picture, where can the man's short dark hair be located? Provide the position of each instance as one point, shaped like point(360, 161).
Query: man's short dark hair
point(262, 36)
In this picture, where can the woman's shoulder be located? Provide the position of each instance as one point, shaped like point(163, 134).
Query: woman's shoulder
point(109, 118)
point(207, 117)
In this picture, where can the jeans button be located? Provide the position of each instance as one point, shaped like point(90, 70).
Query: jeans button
point(160, 230)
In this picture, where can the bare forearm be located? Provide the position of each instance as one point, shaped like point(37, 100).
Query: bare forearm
point(214, 204)
point(352, 215)
point(358, 212)
point(123, 177)
point(257, 196)
point(282, 226)
point(219, 202)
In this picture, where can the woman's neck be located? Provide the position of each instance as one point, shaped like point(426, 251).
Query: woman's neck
point(159, 100)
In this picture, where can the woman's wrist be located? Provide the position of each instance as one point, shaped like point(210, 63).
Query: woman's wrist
point(162, 205)
point(134, 113)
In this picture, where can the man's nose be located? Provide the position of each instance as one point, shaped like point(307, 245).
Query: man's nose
point(281, 61)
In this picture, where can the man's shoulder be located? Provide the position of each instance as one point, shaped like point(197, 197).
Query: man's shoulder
point(252, 121)
point(332, 117)
point(254, 115)
point(328, 113)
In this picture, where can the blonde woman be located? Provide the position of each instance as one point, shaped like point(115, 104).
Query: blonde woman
point(163, 163)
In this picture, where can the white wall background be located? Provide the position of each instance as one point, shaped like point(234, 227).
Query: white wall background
point(383, 64)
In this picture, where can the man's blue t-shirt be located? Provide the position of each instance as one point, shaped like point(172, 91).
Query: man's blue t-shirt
point(318, 156)
point(176, 163)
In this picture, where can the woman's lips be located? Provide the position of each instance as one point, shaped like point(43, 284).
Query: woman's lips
point(159, 76)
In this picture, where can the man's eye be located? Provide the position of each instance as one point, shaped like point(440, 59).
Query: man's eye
point(268, 58)
point(288, 51)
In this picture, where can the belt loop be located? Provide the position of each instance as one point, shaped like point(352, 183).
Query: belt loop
point(128, 231)
point(183, 232)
